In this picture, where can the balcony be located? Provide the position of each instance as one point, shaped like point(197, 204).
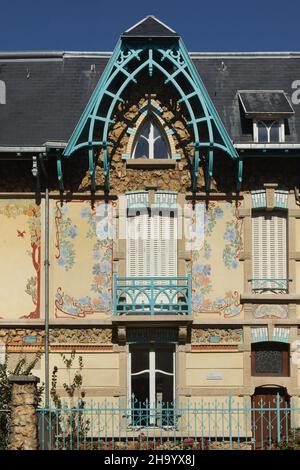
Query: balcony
point(269, 286)
point(152, 295)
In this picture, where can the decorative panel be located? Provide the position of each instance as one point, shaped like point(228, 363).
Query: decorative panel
point(217, 336)
point(82, 248)
point(217, 273)
point(20, 251)
point(271, 311)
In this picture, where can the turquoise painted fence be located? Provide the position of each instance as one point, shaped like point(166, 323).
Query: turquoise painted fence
point(202, 425)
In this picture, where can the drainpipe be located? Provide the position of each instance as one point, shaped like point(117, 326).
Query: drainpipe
point(47, 264)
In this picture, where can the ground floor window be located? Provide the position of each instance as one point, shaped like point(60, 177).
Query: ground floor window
point(270, 358)
point(151, 377)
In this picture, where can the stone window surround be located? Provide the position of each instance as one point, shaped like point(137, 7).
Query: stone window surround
point(183, 256)
point(293, 256)
point(154, 108)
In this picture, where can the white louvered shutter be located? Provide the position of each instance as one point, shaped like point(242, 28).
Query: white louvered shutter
point(138, 254)
point(152, 252)
point(269, 250)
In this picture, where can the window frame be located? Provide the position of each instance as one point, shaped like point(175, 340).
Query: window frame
point(256, 248)
point(281, 130)
point(152, 350)
point(270, 345)
point(151, 141)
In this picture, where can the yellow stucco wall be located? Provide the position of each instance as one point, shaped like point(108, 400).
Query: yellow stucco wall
point(227, 366)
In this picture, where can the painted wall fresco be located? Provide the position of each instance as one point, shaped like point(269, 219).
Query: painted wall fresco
point(217, 274)
point(81, 260)
point(271, 311)
point(20, 253)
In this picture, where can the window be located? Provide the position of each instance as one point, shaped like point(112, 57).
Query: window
point(151, 384)
point(2, 92)
point(152, 244)
point(151, 141)
point(270, 359)
point(269, 252)
point(269, 131)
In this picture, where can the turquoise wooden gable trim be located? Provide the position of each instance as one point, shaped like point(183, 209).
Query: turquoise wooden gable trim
point(172, 62)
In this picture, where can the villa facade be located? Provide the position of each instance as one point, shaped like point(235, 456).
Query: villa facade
point(150, 219)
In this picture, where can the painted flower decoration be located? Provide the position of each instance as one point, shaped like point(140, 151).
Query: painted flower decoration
point(219, 212)
point(73, 231)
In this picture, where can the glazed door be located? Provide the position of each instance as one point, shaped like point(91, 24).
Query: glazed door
point(268, 423)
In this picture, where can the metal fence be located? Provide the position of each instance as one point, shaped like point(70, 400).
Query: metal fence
point(202, 425)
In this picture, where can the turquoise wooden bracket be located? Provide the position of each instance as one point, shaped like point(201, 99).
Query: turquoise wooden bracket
point(209, 170)
point(60, 175)
point(239, 175)
point(173, 64)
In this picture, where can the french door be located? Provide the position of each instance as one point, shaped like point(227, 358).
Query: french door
point(151, 380)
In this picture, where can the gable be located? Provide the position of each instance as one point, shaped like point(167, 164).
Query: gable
point(159, 63)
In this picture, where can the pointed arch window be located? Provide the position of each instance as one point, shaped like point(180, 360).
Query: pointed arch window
point(151, 141)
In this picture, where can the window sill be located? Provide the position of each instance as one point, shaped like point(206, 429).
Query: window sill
point(149, 164)
point(270, 298)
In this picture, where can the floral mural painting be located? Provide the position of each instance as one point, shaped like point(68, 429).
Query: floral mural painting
point(12, 210)
point(233, 239)
point(66, 231)
point(204, 298)
point(98, 229)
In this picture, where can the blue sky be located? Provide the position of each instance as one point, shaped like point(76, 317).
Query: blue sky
point(210, 25)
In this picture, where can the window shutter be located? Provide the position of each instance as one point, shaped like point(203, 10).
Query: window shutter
point(138, 255)
point(152, 245)
point(280, 247)
point(269, 250)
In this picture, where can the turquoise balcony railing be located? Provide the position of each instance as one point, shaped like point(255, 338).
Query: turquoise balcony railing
point(152, 295)
point(277, 286)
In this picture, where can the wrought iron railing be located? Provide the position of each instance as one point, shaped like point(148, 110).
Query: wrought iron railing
point(152, 295)
point(276, 286)
point(204, 424)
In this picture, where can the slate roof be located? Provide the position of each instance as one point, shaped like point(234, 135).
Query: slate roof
point(46, 92)
point(265, 102)
point(150, 27)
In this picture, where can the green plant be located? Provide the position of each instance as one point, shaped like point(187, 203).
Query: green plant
point(22, 368)
point(69, 421)
point(291, 442)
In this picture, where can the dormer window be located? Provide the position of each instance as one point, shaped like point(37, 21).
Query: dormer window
point(151, 141)
point(269, 109)
point(268, 131)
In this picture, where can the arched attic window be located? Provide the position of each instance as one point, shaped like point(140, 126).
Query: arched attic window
point(151, 141)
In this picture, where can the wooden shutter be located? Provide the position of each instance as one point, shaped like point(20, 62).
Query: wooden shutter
point(269, 248)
